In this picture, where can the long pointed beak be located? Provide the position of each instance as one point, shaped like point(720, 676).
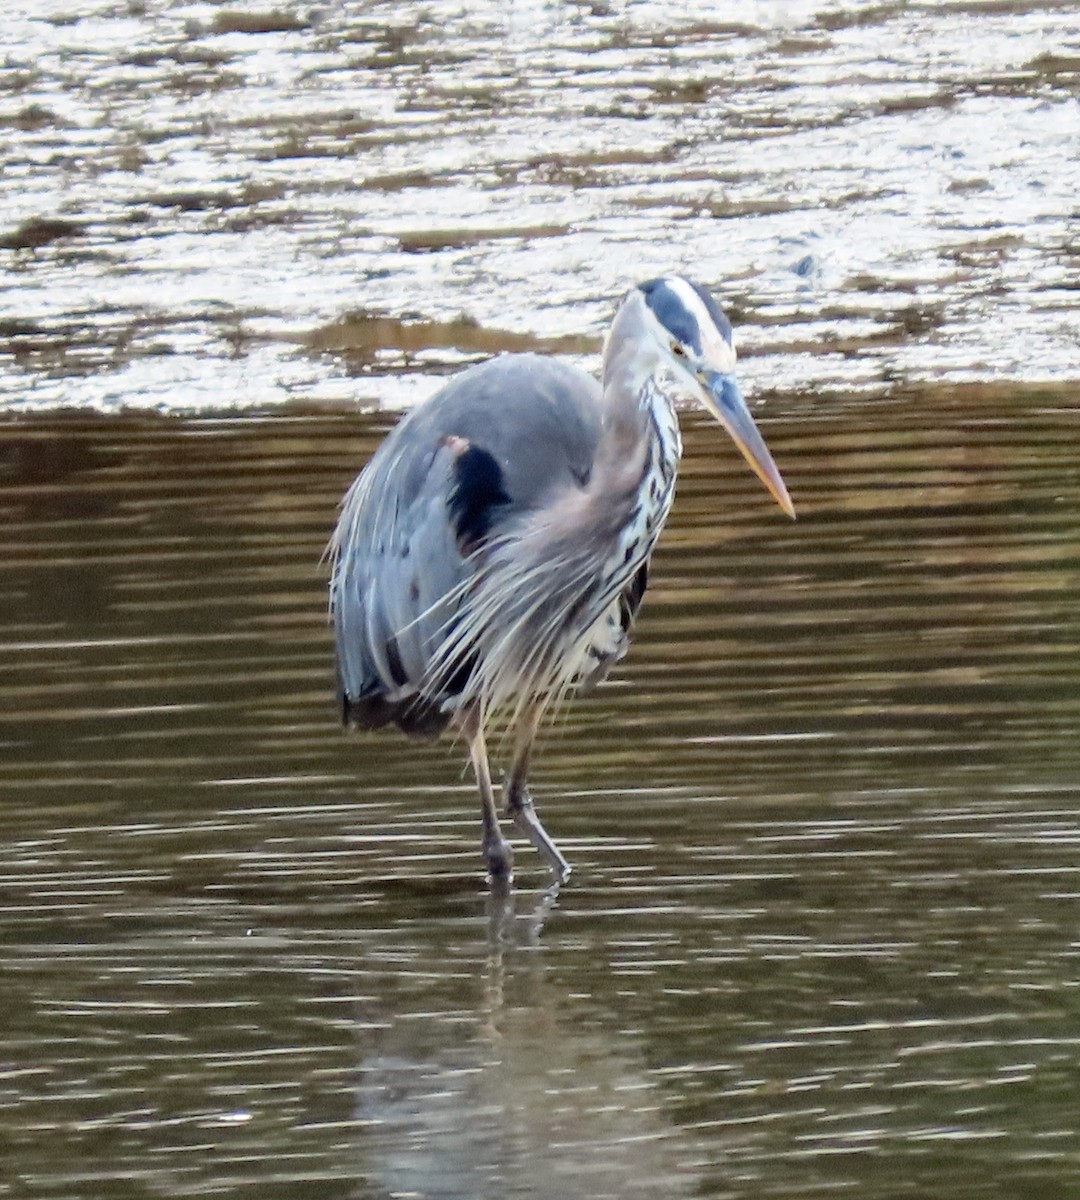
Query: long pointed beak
point(723, 398)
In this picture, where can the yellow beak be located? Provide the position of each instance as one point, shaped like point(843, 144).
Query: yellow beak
point(723, 398)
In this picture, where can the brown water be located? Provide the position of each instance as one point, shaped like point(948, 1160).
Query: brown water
point(822, 933)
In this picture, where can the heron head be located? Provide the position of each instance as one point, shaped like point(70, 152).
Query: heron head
point(695, 341)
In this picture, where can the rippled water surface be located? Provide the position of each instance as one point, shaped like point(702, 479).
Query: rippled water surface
point(823, 931)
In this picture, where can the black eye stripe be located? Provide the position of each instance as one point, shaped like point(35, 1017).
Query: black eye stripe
point(671, 311)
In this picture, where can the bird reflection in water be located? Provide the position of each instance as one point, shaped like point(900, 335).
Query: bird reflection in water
point(494, 1082)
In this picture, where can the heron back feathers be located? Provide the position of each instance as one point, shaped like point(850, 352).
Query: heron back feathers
point(462, 472)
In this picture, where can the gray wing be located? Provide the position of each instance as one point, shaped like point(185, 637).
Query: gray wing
point(463, 466)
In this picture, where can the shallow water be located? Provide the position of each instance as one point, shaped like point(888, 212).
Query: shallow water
point(822, 929)
point(821, 936)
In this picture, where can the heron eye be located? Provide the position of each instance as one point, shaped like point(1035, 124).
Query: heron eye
point(677, 350)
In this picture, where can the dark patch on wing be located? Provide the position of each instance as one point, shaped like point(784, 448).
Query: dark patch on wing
point(393, 660)
point(476, 496)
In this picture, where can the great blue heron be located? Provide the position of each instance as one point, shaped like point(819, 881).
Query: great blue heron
point(493, 554)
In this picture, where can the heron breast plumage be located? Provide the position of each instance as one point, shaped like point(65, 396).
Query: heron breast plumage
point(626, 571)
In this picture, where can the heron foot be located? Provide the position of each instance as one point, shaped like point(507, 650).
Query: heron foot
point(520, 807)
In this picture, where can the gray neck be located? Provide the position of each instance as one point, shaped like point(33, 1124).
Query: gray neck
point(630, 361)
point(639, 424)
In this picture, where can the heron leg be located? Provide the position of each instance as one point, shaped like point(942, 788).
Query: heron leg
point(497, 850)
point(519, 803)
